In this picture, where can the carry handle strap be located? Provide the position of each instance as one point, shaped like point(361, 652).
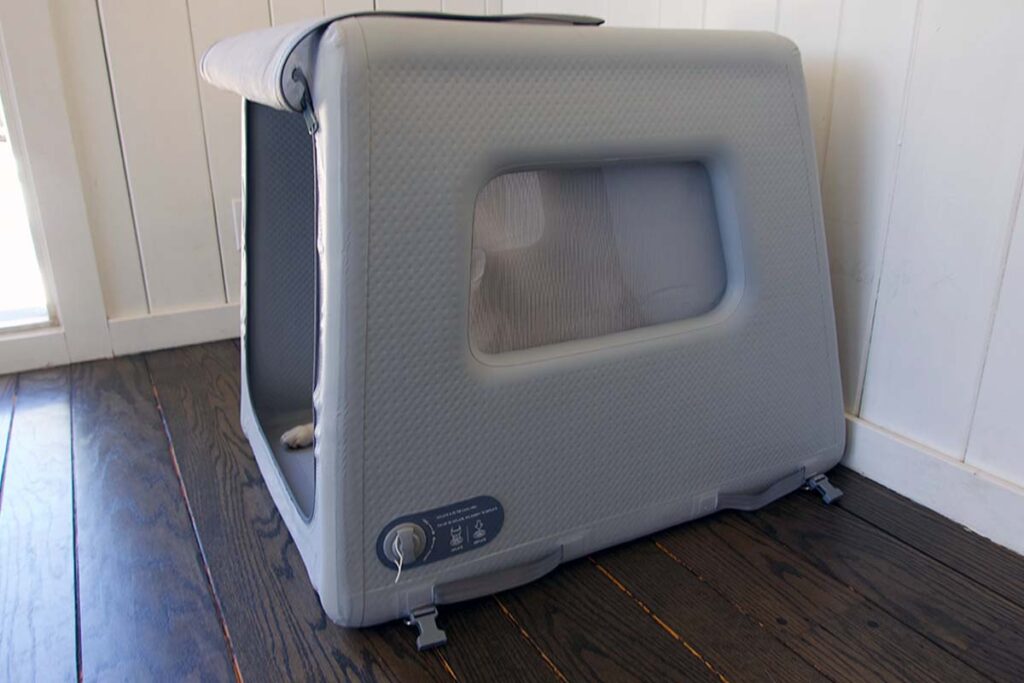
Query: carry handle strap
point(754, 501)
point(531, 18)
point(495, 582)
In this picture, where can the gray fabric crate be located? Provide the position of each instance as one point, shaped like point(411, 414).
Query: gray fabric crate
point(547, 287)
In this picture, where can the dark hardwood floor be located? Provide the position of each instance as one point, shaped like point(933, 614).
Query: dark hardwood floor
point(139, 543)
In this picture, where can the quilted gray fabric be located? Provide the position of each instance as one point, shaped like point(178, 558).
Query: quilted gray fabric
point(705, 364)
point(577, 437)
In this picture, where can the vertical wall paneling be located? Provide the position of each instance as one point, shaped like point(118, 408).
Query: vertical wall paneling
point(868, 100)
point(288, 11)
point(681, 13)
point(814, 26)
point(956, 184)
point(637, 13)
point(149, 53)
point(79, 41)
point(409, 5)
point(210, 21)
point(748, 15)
point(588, 7)
point(335, 7)
point(464, 6)
point(996, 441)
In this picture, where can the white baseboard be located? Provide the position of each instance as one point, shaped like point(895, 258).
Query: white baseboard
point(32, 349)
point(167, 330)
point(981, 502)
point(46, 347)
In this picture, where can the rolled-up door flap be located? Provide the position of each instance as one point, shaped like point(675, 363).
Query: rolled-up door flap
point(258, 65)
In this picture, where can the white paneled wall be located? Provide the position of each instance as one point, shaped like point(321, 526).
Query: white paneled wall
point(97, 146)
point(916, 107)
point(996, 437)
point(956, 189)
point(872, 59)
point(156, 95)
point(212, 20)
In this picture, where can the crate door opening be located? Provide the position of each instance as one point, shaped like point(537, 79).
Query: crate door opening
point(281, 286)
point(570, 254)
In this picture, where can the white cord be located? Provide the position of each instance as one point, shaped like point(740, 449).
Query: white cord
point(397, 547)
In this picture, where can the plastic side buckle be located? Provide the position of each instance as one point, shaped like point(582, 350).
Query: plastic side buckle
point(430, 636)
point(312, 125)
point(828, 492)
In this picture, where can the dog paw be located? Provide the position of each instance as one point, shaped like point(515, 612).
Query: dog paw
point(298, 437)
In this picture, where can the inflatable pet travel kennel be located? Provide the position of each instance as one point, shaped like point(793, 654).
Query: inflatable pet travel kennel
point(545, 286)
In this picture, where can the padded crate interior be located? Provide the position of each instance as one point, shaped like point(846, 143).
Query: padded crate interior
point(281, 273)
point(567, 254)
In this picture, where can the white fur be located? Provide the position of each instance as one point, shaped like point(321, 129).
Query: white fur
point(298, 437)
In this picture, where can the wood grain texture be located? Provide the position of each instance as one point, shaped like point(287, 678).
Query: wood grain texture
point(877, 588)
point(8, 386)
point(967, 620)
point(739, 646)
point(847, 638)
point(993, 566)
point(592, 631)
point(974, 499)
point(199, 391)
point(484, 645)
point(146, 611)
point(278, 628)
point(37, 564)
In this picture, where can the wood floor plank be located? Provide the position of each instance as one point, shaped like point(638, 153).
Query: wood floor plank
point(848, 638)
point(592, 631)
point(976, 625)
point(7, 388)
point(485, 646)
point(37, 566)
point(974, 556)
point(199, 389)
point(276, 623)
point(146, 611)
point(740, 647)
point(278, 628)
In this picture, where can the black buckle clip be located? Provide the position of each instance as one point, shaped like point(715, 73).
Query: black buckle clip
point(312, 125)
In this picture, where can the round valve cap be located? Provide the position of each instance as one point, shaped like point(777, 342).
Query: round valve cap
point(411, 539)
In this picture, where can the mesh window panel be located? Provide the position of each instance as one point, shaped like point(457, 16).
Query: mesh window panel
point(560, 255)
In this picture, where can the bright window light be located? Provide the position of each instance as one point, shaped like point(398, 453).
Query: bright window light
point(22, 295)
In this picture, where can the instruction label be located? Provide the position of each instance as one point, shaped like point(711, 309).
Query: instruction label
point(450, 530)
